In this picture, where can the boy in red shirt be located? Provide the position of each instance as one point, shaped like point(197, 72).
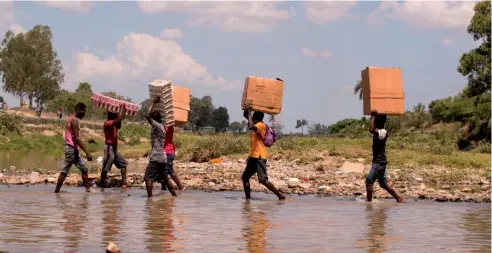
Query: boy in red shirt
point(111, 154)
point(171, 154)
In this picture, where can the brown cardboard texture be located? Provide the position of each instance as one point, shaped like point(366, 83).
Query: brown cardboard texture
point(263, 94)
point(181, 103)
point(383, 91)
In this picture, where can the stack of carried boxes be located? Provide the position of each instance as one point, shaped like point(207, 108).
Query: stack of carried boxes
point(113, 105)
point(175, 102)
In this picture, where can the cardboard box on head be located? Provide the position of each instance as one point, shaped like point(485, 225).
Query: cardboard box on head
point(175, 102)
point(263, 94)
point(382, 90)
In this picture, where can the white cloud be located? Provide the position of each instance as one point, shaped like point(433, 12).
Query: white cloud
point(7, 19)
point(254, 17)
point(327, 11)
point(447, 42)
point(171, 33)
point(143, 58)
point(308, 52)
point(429, 14)
point(75, 6)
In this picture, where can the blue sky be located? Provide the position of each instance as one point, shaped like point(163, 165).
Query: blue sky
point(318, 48)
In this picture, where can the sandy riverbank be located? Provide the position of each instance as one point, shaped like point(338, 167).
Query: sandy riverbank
point(327, 177)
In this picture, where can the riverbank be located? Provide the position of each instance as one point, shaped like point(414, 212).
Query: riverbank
point(329, 176)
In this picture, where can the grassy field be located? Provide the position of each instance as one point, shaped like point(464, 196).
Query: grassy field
point(412, 150)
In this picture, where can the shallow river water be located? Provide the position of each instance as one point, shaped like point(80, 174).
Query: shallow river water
point(33, 219)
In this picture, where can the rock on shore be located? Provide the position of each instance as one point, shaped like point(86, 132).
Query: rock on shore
point(330, 176)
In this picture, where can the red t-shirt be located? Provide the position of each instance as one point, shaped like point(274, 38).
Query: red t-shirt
point(110, 133)
point(168, 141)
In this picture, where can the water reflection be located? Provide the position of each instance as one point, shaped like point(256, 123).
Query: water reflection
point(111, 209)
point(74, 209)
point(159, 225)
point(477, 222)
point(255, 227)
point(376, 240)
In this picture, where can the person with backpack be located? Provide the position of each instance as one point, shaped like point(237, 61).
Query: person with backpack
point(261, 136)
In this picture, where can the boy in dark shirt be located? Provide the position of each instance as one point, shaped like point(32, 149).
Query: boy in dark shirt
point(379, 162)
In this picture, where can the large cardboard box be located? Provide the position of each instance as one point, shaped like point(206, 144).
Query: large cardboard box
point(181, 104)
point(175, 102)
point(383, 91)
point(263, 94)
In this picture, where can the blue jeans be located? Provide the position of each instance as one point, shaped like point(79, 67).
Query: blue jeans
point(378, 172)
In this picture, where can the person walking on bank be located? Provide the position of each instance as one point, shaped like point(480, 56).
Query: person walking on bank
point(73, 144)
point(257, 160)
point(379, 162)
point(156, 169)
point(111, 154)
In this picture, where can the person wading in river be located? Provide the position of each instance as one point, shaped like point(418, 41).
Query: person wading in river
point(111, 154)
point(73, 144)
point(379, 162)
point(170, 150)
point(258, 154)
point(156, 170)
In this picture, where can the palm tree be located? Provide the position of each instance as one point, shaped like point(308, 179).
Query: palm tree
point(358, 89)
point(300, 124)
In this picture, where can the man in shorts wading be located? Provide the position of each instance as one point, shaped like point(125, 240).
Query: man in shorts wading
point(258, 154)
point(111, 154)
point(73, 144)
point(379, 162)
point(156, 170)
point(170, 150)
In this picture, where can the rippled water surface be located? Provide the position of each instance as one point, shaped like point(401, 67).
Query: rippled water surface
point(33, 219)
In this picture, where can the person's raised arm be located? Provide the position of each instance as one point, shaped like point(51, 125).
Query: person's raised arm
point(121, 114)
point(245, 114)
point(78, 141)
point(251, 124)
point(151, 107)
point(372, 124)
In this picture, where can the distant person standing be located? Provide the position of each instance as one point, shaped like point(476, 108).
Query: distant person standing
point(59, 113)
point(156, 169)
point(170, 150)
point(39, 110)
point(111, 154)
point(73, 144)
point(379, 162)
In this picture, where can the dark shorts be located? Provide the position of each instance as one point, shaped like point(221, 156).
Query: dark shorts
point(155, 171)
point(378, 172)
point(255, 165)
point(112, 156)
point(170, 163)
point(72, 157)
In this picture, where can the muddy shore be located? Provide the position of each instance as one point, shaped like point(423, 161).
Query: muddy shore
point(328, 177)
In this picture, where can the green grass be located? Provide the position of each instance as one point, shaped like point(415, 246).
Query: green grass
point(405, 150)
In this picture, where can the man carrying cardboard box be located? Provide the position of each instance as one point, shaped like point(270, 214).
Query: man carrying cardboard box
point(258, 154)
point(379, 161)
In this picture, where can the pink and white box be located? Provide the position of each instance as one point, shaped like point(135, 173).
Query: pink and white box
point(113, 105)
